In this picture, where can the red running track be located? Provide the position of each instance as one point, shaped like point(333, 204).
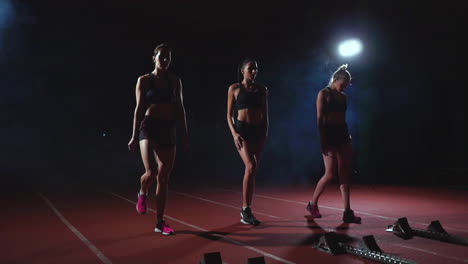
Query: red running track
point(103, 227)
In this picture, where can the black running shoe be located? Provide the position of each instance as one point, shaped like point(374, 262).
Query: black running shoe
point(349, 217)
point(248, 218)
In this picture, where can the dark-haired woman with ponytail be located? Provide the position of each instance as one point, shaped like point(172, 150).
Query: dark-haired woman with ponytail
point(159, 106)
point(249, 100)
point(335, 142)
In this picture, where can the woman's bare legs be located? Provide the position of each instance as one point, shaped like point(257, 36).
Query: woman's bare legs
point(330, 163)
point(344, 157)
point(165, 158)
point(151, 168)
point(248, 183)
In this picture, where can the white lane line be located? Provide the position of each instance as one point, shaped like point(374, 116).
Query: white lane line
point(331, 230)
point(230, 240)
point(326, 229)
point(88, 243)
point(339, 209)
point(223, 204)
point(256, 212)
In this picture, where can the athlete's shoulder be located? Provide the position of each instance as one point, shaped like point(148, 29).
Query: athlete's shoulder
point(144, 77)
point(234, 86)
point(324, 91)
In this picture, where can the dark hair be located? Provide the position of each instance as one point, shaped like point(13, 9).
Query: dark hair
point(341, 73)
point(160, 47)
point(241, 66)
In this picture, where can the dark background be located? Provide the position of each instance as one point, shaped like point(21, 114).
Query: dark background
point(69, 69)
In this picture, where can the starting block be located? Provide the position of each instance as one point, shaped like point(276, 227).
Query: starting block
point(401, 228)
point(257, 260)
point(212, 258)
point(330, 243)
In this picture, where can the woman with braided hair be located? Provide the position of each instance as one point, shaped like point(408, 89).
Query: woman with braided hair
point(249, 100)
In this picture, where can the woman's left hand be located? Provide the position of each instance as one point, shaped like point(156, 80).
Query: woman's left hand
point(132, 144)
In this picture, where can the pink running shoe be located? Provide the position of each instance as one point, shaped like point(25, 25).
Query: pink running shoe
point(313, 210)
point(141, 204)
point(164, 229)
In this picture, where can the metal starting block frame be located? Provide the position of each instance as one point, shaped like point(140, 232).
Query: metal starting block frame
point(401, 228)
point(330, 243)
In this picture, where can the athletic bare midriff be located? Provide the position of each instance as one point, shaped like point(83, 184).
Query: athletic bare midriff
point(163, 111)
point(252, 116)
point(336, 118)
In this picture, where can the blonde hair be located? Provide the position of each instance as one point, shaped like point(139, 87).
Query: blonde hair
point(341, 73)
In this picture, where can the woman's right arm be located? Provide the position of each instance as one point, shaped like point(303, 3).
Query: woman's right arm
point(230, 117)
point(321, 112)
point(138, 114)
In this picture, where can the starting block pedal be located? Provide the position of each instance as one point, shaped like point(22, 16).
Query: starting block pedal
point(434, 231)
point(332, 244)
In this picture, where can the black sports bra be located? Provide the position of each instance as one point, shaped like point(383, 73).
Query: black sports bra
point(246, 99)
point(333, 105)
point(161, 94)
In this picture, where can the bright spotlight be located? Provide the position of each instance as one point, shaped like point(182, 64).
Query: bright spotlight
point(350, 48)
